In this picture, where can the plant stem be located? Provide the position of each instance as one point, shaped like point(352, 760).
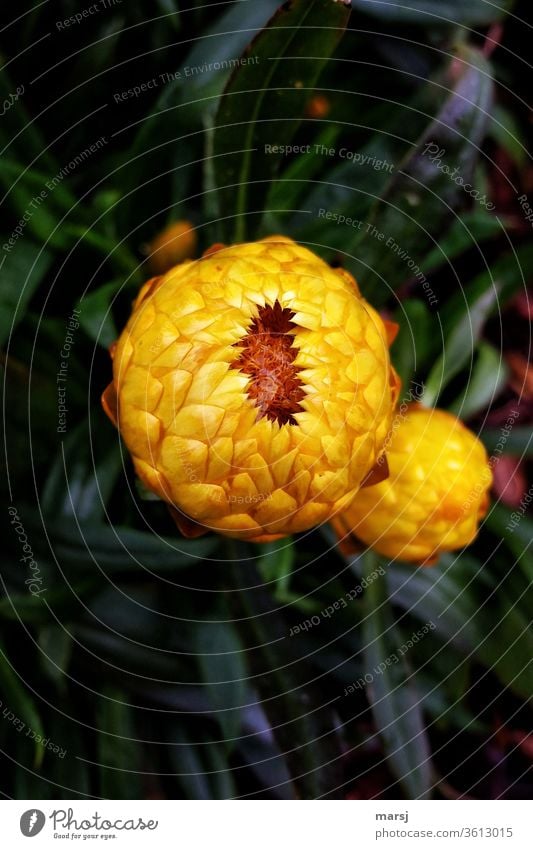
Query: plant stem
point(301, 725)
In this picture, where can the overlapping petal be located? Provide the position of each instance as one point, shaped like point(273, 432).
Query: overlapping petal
point(435, 495)
point(199, 406)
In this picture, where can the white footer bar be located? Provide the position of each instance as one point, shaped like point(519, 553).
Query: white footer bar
point(267, 824)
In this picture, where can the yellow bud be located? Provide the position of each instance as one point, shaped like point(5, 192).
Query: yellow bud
point(174, 244)
point(253, 389)
point(435, 495)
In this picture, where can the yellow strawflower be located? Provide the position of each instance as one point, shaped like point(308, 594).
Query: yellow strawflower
point(253, 389)
point(174, 244)
point(435, 495)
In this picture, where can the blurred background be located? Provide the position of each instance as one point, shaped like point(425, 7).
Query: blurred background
point(134, 663)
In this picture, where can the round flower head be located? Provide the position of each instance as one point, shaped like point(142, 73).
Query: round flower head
point(253, 389)
point(435, 495)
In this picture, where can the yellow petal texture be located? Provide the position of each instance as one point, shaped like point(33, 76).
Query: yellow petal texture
point(254, 433)
point(435, 495)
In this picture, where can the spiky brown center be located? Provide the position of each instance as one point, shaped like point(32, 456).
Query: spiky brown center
point(267, 356)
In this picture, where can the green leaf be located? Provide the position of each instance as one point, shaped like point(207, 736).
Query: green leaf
point(121, 549)
point(56, 646)
point(505, 131)
point(83, 547)
point(17, 705)
point(276, 563)
point(392, 693)
point(465, 233)
point(69, 772)
point(260, 753)
point(53, 215)
point(171, 10)
point(519, 442)
point(22, 270)
point(18, 128)
point(171, 138)
point(264, 101)
point(415, 340)
point(206, 69)
point(63, 773)
point(118, 750)
point(303, 726)
point(485, 382)
point(461, 336)
point(471, 610)
point(429, 13)
point(28, 608)
point(82, 475)
point(508, 651)
point(41, 208)
point(221, 661)
point(516, 530)
point(220, 776)
point(96, 316)
point(453, 674)
point(190, 771)
point(422, 194)
point(442, 596)
point(286, 191)
point(156, 669)
point(347, 189)
point(466, 312)
point(509, 272)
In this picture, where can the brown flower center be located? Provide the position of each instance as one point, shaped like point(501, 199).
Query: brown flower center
point(268, 358)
